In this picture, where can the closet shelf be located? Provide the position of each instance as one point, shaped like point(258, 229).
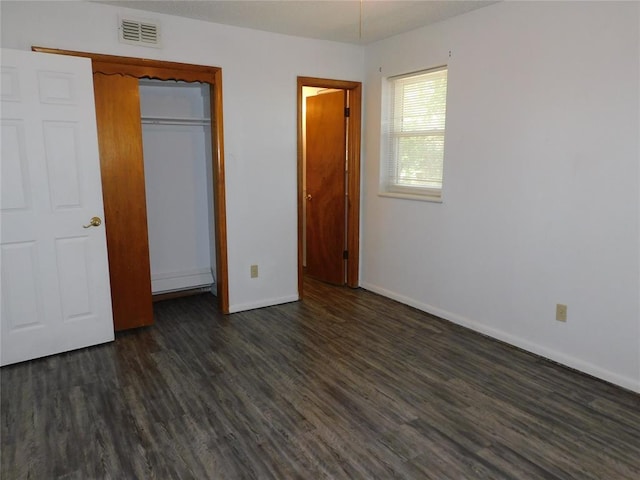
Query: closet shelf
point(175, 121)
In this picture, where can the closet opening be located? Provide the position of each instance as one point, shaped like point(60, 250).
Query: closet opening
point(118, 82)
point(176, 137)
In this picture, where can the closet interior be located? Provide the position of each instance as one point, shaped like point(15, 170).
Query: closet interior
point(176, 137)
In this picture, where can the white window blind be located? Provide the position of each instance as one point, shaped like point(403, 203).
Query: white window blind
point(416, 133)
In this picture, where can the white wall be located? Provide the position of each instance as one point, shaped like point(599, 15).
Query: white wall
point(541, 183)
point(259, 83)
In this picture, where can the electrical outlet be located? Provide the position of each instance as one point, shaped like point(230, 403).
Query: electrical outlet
point(561, 312)
point(254, 271)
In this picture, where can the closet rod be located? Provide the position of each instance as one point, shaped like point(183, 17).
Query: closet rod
point(175, 121)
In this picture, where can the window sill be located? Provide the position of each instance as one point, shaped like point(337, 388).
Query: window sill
point(410, 196)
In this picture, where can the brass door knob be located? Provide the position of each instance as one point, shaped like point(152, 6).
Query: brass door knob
point(309, 197)
point(94, 222)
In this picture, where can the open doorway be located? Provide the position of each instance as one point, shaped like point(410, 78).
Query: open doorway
point(116, 86)
point(328, 180)
point(177, 148)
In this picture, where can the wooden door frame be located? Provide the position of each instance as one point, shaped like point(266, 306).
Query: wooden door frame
point(162, 70)
point(353, 164)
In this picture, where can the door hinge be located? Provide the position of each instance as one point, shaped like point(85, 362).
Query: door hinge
point(345, 255)
point(347, 111)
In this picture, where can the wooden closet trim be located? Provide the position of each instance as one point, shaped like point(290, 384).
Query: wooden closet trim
point(161, 70)
point(353, 164)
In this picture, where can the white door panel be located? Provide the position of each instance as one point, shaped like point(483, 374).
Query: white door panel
point(55, 280)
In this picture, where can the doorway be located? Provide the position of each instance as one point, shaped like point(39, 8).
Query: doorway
point(176, 138)
point(328, 180)
point(119, 169)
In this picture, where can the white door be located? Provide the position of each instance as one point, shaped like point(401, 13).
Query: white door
point(55, 280)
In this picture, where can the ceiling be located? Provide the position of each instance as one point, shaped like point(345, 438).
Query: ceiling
point(349, 21)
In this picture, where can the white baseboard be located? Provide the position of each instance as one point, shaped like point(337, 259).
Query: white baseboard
point(169, 282)
point(262, 303)
point(562, 358)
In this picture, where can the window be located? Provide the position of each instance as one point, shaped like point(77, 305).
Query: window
point(416, 134)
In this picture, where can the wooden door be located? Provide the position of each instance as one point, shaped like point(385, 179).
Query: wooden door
point(55, 279)
point(122, 166)
point(326, 186)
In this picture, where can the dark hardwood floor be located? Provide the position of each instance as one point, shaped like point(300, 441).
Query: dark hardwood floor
point(345, 385)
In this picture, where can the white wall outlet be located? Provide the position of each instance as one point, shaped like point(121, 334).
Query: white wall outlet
point(561, 312)
point(254, 271)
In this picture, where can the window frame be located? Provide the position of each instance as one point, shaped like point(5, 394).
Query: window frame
point(391, 145)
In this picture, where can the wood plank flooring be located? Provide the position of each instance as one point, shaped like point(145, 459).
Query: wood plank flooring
point(345, 385)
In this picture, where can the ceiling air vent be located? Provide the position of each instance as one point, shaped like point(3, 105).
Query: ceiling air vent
point(139, 32)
